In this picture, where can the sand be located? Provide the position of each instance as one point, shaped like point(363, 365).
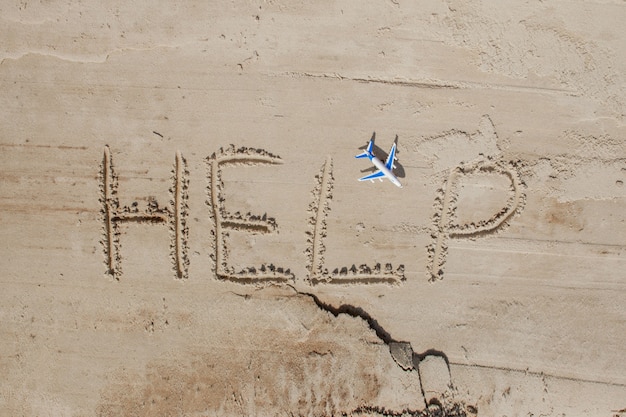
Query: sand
point(183, 233)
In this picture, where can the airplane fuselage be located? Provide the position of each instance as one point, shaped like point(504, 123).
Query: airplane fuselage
point(379, 164)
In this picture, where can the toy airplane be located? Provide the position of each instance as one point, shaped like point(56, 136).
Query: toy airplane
point(384, 170)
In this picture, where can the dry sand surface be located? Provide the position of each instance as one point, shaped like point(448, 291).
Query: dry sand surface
point(183, 234)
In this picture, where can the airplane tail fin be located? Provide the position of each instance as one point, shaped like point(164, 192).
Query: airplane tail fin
point(368, 152)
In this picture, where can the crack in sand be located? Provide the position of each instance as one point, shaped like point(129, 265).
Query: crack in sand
point(431, 83)
point(401, 352)
point(441, 404)
point(537, 374)
point(78, 59)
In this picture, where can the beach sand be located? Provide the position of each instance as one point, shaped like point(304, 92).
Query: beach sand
point(183, 233)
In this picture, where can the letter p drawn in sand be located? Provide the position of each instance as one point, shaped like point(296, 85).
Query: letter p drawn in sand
point(444, 227)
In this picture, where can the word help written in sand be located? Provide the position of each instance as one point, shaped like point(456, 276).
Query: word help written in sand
point(174, 216)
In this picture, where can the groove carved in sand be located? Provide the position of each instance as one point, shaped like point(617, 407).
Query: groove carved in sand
point(224, 221)
point(174, 216)
point(178, 225)
point(318, 273)
point(445, 208)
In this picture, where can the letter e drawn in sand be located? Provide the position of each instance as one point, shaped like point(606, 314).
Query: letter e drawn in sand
point(174, 216)
point(445, 205)
point(318, 209)
point(224, 221)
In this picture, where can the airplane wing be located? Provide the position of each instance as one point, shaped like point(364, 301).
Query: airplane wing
point(392, 157)
point(377, 174)
point(368, 152)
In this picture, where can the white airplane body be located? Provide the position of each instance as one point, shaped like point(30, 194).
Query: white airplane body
point(384, 170)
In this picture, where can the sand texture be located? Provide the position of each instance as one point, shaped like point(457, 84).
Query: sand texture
point(183, 234)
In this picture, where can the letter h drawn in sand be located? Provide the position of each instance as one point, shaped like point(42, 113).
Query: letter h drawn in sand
point(319, 208)
point(444, 227)
point(175, 216)
point(224, 221)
